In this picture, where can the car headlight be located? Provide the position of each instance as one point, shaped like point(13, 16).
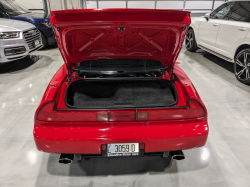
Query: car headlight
point(9, 35)
point(46, 23)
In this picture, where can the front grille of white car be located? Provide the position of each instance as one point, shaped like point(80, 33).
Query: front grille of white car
point(31, 36)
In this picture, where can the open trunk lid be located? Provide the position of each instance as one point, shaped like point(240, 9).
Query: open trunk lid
point(85, 35)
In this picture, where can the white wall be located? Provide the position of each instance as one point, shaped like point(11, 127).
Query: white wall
point(194, 5)
point(177, 5)
point(161, 4)
point(218, 3)
point(91, 4)
point(141, 4)
point(112, 4)
point(31, 4)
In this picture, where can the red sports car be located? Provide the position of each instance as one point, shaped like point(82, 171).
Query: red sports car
point(120, 92)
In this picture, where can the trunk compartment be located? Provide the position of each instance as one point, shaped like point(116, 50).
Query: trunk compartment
point(121, 93)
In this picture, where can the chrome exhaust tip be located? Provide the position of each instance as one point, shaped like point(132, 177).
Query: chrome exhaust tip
point(66, 158)
point(177, 155)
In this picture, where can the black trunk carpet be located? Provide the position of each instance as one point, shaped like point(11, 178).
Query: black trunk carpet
point(122, 93)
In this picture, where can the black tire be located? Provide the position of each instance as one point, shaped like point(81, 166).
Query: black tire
point(190, 41)
point(242, 66)
point(44, 41)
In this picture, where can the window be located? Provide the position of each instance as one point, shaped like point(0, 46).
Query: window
point(239, 12)
point(1, 14)
point(12, 8)
point(222, 11)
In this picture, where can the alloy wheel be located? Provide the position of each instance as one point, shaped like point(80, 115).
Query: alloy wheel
point(242, 66)
point(189, 40)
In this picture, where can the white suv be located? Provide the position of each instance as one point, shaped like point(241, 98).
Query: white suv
point(17, 39)
point(225, 33)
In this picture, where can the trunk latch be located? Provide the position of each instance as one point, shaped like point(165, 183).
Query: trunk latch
point(121, 29)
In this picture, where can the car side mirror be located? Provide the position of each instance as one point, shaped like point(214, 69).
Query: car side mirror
point(207, 15)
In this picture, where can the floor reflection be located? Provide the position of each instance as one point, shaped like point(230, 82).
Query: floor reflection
point(195, 159)
point(24, 63)
point(109, 166)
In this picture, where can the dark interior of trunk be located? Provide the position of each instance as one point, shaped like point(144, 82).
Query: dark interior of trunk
point(151, 92)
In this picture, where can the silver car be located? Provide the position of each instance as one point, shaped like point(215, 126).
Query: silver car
point(17, 39)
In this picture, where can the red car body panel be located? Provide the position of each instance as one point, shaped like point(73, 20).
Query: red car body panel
point(120, 33)
point(87, 137)
point(72, 133)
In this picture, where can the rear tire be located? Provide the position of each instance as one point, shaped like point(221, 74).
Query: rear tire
point(242, 66)
point(44, 41)
point(190, 41)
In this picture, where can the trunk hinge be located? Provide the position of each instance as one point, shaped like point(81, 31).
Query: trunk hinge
point(172, 75)
point(69, 77)
point(70, 72)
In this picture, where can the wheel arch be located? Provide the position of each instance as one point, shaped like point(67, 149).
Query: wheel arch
point(193, 26)
point(240, 48)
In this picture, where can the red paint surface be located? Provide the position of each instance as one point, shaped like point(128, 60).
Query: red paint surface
point(87, 137)
point(82, 133)
point(93, 34)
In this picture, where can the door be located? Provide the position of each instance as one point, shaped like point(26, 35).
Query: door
point(234, 29)
point(208, 30)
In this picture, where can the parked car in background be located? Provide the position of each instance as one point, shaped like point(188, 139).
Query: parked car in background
point(12, 10)
point(119, 92)
point(17, 39)
point(225, 33)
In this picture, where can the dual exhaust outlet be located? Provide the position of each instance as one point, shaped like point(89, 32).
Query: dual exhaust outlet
point(174, 155)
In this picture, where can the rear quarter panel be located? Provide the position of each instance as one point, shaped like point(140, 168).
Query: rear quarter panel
point(52, 91)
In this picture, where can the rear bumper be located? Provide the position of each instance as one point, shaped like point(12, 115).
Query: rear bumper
point(158, 136)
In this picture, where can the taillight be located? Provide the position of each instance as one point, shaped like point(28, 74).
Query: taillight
point(142, 116)
point(102, 116)
point(193, 110)
point(46, 113)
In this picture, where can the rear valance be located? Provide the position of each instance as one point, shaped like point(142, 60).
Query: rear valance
point(120, 33)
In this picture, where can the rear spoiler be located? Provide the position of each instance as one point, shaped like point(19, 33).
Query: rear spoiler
point(143, 15)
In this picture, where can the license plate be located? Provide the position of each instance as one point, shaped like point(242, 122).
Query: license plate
point(36, 43)
point(123, 149)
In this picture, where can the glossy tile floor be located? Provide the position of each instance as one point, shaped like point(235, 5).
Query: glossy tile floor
point(223, 161)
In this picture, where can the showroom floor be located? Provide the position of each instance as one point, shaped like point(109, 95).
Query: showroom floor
point(223, 161)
